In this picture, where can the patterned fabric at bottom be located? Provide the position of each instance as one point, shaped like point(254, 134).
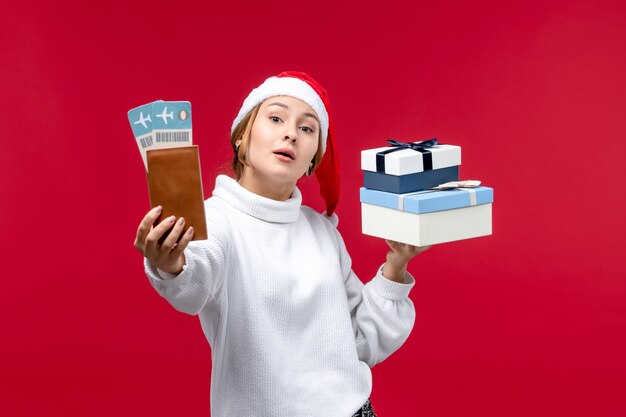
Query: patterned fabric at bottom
point(366, 410)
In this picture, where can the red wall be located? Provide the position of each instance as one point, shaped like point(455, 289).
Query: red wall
point(529, 321)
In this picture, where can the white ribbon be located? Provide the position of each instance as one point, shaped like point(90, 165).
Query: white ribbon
point(402, 196)
point(457, 184)
point(467, 185)
point(472, 195)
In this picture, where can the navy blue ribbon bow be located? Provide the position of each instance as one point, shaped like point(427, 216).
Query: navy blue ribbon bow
point(421, 147)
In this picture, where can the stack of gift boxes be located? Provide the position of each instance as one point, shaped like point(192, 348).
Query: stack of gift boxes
point(403, 200)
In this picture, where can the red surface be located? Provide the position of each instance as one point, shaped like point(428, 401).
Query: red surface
point(529, 321)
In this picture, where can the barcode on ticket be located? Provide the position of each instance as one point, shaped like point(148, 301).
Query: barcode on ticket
point(145, 142)
point(165, 137)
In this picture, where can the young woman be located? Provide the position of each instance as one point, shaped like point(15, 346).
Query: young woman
point(293, 331)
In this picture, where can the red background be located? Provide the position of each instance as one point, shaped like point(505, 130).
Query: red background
point(529, 321)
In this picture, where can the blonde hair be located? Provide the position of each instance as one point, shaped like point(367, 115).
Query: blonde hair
point(242, 133)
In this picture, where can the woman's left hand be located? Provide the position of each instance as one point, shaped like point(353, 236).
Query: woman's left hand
point(398, 258)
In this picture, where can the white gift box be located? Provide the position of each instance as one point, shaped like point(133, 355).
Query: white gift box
point(427, 228)
point(409, 161)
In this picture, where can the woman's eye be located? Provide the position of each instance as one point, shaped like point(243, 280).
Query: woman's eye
point(275, 119)
point(307, 129)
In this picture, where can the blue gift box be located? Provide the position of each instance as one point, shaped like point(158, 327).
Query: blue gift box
point(410, 182)
point(429, 200)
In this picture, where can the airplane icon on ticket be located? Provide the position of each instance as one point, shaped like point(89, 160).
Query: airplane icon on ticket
point(165, 115)
point(143, 120)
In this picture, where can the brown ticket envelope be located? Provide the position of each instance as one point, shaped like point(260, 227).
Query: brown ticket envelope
point(175, 183)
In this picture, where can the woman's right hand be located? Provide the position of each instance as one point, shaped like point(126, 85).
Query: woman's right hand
point(167, 256)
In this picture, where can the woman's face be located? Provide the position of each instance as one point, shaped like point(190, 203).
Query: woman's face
point(283, 141)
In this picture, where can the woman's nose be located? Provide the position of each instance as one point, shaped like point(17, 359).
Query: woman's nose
point(291, 134)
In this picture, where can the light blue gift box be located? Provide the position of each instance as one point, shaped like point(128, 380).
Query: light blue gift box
point(428, 201)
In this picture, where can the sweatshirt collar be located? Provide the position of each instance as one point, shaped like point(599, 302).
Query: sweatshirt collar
point(254, 205)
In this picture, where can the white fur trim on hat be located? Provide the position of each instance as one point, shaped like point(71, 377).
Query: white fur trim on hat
point(286, 86)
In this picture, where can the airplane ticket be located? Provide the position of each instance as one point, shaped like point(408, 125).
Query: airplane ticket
point(171, 125)
point(141, 119)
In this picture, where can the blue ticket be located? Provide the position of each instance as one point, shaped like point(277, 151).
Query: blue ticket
point(171, 124)
point(141, 122)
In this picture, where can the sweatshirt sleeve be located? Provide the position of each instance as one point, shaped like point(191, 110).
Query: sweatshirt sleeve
point(382, 315)
point(382, 312)
point(203, 274)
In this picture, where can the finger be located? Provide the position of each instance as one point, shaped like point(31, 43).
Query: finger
point(170, 241)
point(184, 241)
point(416, 250)
point(403, 249)
point(392, 244)
point(145, 225)
point(152, 240)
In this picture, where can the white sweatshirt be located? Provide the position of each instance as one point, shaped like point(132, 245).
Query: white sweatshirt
point(293, 331)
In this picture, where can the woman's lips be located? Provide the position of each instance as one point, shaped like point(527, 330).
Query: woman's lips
point(282, 157)
point(285, 153)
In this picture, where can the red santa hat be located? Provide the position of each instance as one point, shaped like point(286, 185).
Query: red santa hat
point(301, 86)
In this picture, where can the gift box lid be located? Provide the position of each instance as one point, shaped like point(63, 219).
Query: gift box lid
point(429, 200)
point(409, 161)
